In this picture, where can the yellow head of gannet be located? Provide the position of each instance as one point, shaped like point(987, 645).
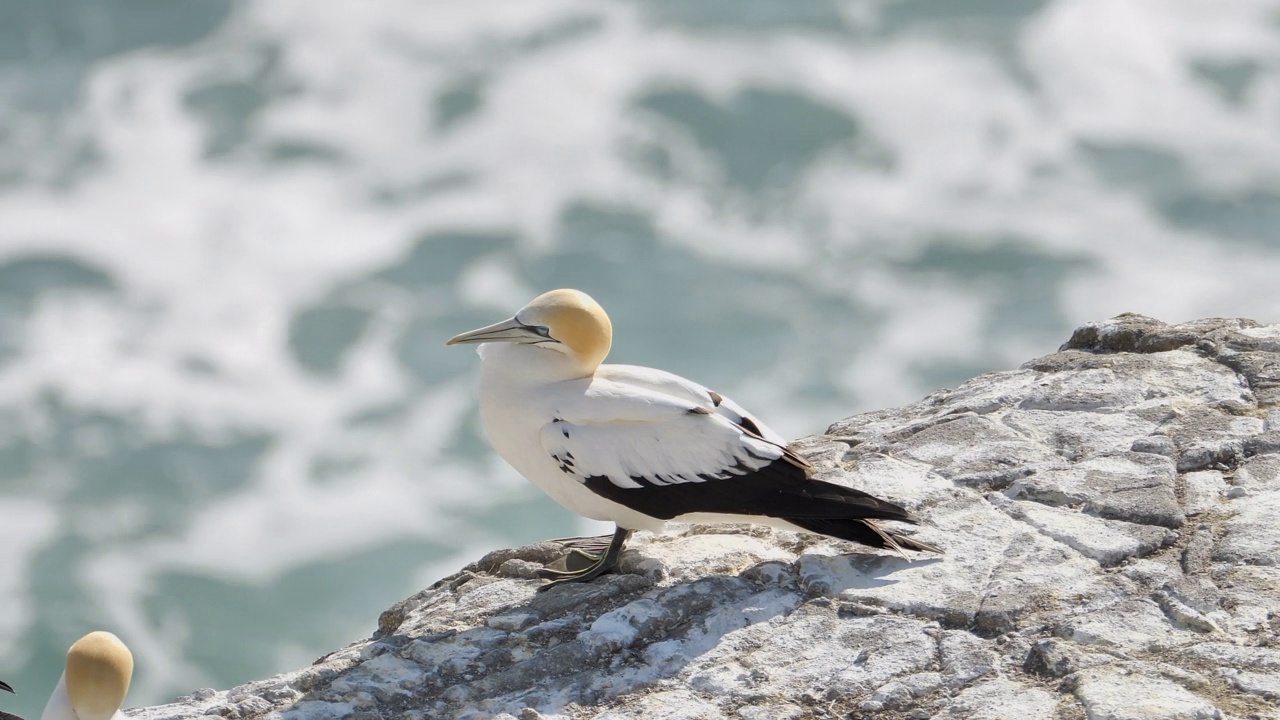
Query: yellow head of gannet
point(569, 322)
point(640, 446)
point(96, 680)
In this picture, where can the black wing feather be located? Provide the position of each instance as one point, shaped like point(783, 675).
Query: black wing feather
point(866, 532)
point(779, 489)
point(665, 456)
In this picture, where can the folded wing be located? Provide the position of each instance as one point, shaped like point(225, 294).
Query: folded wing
point(665, 455)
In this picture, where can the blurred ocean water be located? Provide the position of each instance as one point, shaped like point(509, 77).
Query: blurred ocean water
point(235, 235)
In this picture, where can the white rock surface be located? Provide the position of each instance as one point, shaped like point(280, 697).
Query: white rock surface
point(1110, 518)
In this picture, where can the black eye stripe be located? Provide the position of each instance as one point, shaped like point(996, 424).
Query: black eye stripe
point(539, 330)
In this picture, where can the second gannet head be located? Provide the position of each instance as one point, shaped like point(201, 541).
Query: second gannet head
point(569, 322)
point(94, 685)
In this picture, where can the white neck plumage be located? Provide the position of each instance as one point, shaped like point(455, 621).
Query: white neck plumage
point(59, 707)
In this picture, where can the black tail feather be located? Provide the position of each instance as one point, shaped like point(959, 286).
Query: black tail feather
point(865, 532)
point(818, 499)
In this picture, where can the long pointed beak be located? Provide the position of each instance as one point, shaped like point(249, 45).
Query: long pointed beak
point(5, 686)
point(512, 331)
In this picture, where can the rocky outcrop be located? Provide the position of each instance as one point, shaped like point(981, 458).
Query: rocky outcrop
point(1110, 517)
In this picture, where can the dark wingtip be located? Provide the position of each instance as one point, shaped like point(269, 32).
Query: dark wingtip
point(866, 532)
point(9, 716)
point(6, 686)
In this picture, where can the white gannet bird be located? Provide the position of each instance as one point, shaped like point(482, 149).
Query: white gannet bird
point(95, 682)
point(639, 446)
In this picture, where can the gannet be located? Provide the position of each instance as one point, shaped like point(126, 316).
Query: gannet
point(638, 446)
point(95, 682)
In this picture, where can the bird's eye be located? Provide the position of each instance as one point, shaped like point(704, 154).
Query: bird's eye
point(542, 330)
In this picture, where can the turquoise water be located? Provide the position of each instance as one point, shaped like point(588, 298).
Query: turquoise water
point(234, 237)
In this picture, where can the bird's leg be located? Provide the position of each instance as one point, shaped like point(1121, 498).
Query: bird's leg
point(602, 563)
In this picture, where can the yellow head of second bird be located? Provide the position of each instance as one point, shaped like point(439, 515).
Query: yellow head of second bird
point(99, 669)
